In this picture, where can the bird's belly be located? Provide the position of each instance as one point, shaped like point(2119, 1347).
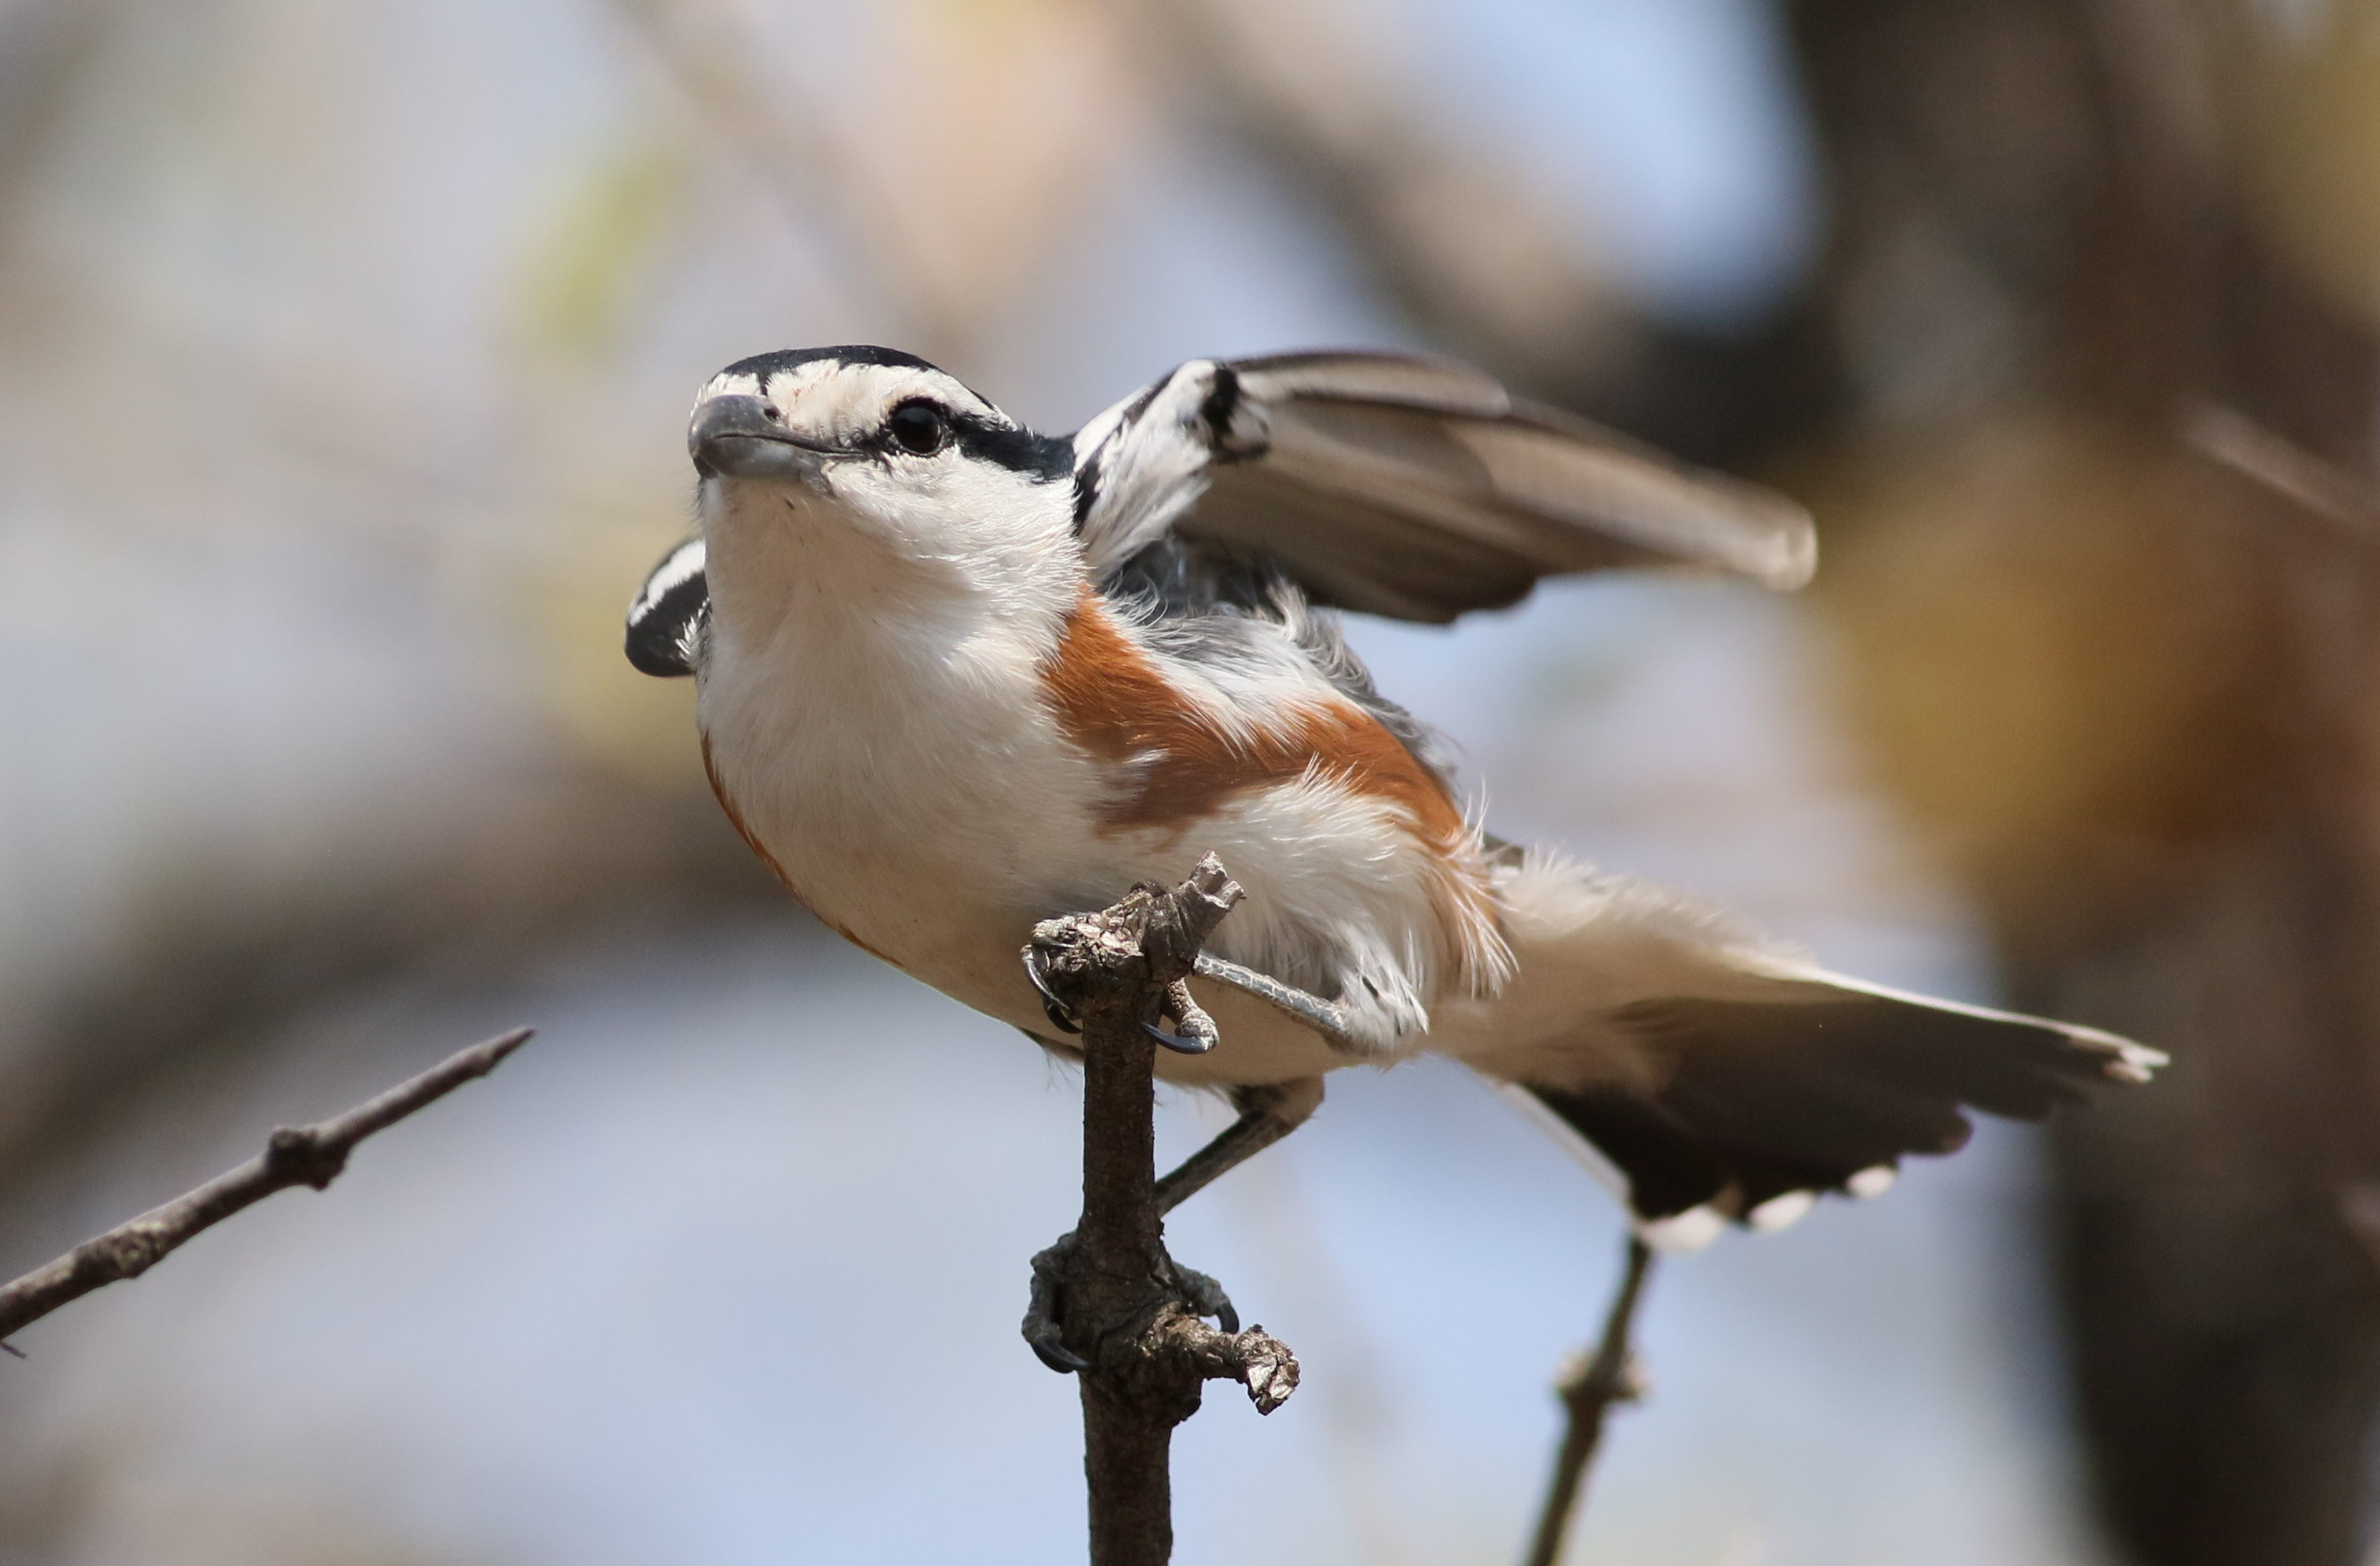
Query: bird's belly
point(944, 888)
point(944, 876)
point(963, 929)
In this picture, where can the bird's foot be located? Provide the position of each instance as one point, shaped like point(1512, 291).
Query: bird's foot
point(1062, 1015)
point(1055, 1280)
point(1196, 1031)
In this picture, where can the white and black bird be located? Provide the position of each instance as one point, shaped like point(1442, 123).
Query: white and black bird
point(956, 677)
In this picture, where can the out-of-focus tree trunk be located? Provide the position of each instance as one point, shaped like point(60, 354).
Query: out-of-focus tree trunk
point(2101, 646)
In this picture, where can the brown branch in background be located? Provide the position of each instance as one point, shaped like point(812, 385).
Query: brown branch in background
point(1611, 1376)
point(1108, 1300)
point(311, 1154)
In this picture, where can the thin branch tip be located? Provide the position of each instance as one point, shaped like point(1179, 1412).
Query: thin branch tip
point(1211, 882)
point(1589, 1390)
point(303, 1155)
point(1265, 1366)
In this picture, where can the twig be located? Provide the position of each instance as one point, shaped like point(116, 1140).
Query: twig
point(1611, 1376)
point(1108, 1300)
point(311, 1155)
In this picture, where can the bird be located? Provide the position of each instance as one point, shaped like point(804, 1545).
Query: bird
point(955, 677)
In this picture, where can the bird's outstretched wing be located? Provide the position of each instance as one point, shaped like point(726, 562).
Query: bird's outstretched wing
point(1407, 487)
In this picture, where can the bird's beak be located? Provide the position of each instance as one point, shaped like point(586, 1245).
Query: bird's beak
point(740, 437)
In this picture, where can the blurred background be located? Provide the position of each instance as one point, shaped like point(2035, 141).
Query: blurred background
point(343, 356)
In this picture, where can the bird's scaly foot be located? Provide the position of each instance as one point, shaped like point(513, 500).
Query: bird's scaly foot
point(1045, 1313)
point(1198, 1035)
point(1062, 1016)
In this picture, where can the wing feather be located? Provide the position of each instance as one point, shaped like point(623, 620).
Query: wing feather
point(668, 620)
point(1409, 487)
point(1406, 380)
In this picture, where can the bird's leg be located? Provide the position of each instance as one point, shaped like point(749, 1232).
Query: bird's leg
point(1326, 1017)
point(1267, 1114)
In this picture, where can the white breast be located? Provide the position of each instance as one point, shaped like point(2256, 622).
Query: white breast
point(902, 778)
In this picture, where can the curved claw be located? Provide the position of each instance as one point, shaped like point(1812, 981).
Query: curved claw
point(1055, 1354)
point(1198, 1033)
point(1207, 1297)
point(1042, 1310)
point(1060, 1016)
point(1175, 1042)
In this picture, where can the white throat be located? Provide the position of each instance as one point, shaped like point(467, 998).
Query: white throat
point(860, 691)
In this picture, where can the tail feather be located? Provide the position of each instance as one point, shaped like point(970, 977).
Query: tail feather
point(1717, 1076)
point(1809, 1091)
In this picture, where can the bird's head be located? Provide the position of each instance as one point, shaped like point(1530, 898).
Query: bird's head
point(841, 465)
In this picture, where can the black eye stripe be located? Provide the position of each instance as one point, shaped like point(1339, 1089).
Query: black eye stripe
point(1045, 459)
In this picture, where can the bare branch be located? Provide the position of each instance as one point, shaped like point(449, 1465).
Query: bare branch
point(1107, 1302)
point(311, 1155)
point(1588, 1395)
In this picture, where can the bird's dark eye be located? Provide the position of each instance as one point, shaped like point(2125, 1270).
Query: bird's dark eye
point(918, 428)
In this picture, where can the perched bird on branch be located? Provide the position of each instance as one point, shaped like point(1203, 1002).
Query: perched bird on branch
point(956, 677)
